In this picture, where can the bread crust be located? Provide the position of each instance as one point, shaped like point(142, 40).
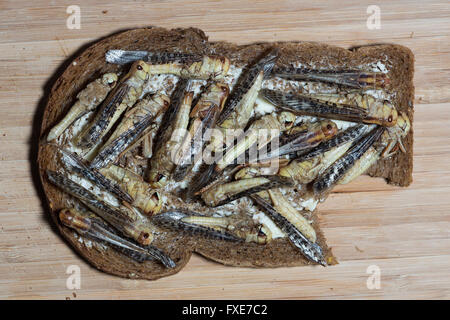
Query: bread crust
point(91, 63)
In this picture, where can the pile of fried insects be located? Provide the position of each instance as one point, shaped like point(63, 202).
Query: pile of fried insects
point(128, 148)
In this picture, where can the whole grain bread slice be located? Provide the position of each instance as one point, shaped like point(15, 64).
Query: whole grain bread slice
point(91, 63)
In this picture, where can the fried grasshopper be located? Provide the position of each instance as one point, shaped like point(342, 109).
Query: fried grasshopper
point(133, 125)
point(182, 220)
point(172, 135)
point(185, 65)
point(346, 156)
point(87, 100)
point(122, 183)
point(88, 225)
point(145, 198)
point(203, 118)
point(355, 107)
point(126, 220)
point(302, 137)
point(310, 250)
point(236, 112)
point(271, 125)
point(390, 141)
point(280, 203)
point(335, 172)
point(348, 78)
point(220, 228)
point(124, 95)
point(221, 194)
point(239, 106)
point(75, 164)
point(342, 137)
point(311, 166)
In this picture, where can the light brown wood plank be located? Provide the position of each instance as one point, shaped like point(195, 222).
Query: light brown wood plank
point(403, 231)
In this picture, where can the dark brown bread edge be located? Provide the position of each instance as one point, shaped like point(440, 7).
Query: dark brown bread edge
point(90, 64)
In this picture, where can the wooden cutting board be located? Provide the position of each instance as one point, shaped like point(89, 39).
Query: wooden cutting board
point(402, 233)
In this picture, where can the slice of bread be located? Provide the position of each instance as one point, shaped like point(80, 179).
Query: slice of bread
point(397, 60)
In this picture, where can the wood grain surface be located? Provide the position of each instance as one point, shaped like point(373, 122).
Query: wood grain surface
point(403, 231)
